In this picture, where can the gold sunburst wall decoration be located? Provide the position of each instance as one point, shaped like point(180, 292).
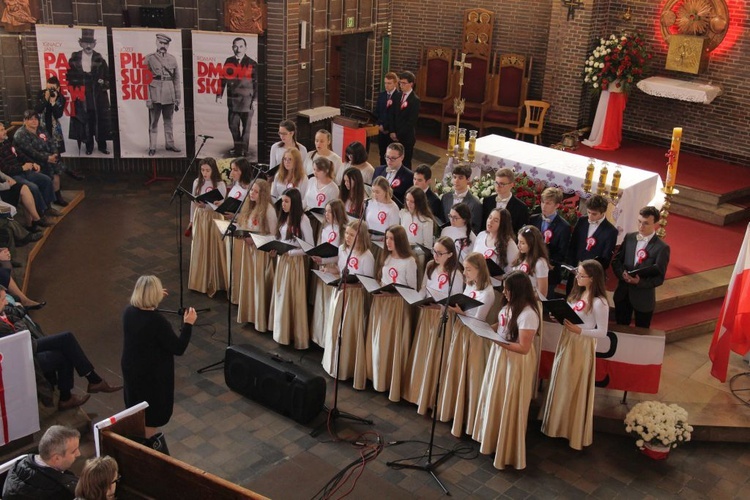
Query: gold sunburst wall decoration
point(693, 17)
point(704, 18)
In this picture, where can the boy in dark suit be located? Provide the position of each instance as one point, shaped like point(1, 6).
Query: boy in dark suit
point(398, 176)
point(637, 294)
point(461, 194)
point(594, 237)
point(383, 110)
point(505, 179)
point(422, 176)
point(556, 233)
point(404, 117)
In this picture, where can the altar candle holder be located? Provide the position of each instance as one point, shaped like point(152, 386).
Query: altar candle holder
point(614, 190)
point(673, 157)
point(472, 145)
point(589, 176)
point(602, 186)
point(461, 143)
point(664, 212)
point(451, 140)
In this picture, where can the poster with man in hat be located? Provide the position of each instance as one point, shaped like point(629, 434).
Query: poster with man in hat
point(88, 73)
point(164, 93)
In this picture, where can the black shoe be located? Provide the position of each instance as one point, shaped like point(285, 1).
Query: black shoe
point(31, 237)
point(75, 174)
point(33, 228)
point(173, 149)
point(53, 212)
point(42, 223)
point(104, 151)
point(36, 307)
point(89, 151)
point(151, 152)
point(60, 201)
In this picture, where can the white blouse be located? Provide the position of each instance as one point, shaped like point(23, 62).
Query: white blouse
point(278, 150)
point(335, 159)
point(363, 263)
point(527, 320)
point(330, 234)
point(596, 320)
point(253, 224)
point(381, 216)
point(318, 195)
point(541, 270)
point(486, 297)
point(440, 281)
point(278, 188)
point(367, 172)
point(307, 235)
point(480, 246)
point(418, 230)
point(401, 271)
point(238, 192)
point(457, 233)
point(207, 187)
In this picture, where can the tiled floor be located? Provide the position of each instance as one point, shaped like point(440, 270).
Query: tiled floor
point(122, 230)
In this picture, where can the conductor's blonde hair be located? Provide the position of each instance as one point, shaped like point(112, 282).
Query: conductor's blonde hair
point(148, 292)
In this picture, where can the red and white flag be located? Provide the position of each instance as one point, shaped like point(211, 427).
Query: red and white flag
point(343, 136)
point(19, 412)
point(733, 327)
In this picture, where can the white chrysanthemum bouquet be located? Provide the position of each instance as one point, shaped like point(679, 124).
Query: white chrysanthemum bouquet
point(658, 424)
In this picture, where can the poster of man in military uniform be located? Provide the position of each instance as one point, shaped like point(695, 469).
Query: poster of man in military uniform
point(148, 66)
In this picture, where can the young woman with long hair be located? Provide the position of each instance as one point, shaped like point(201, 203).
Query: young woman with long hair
point(98, 480)
point(389, 326)
point(289, 303)
point(421, 375)
point(291, 174)
point(497, 241)
point(255, 282)
point(460, 229)
point(569, 409)
point(356, 157)
point(532, 258)
point(353, 357)
point(466, 358)
point(320, 189)
point(323, 150)
point(352, 192)
point(288, 136)
point(208, 180)
point(508, 384)
point(332, 232)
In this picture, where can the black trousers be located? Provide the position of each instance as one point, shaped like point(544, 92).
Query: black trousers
point(61, 354)
point(624, 312)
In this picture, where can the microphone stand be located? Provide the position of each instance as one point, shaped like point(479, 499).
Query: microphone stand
point(231, 228)
point(333, 412)
point(180, 192)
point(433, 460)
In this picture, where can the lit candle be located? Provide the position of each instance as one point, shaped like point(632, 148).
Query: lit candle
point(461, 141)
point(602, 180)
point(451, 138)
point(472, 144)
point(589, 176)
point(615, 184)
point(674, 155)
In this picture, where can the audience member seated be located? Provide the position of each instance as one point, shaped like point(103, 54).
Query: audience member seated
point(46, 476)
point(13, 193)
point(33, 145)
point(99, 479)
point(27, 173)
point(57, 355)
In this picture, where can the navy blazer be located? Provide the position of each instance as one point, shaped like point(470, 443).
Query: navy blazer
point(404, 118)
point(519, 212)
point(383, 110)
point(558, 245)
point(436, 206)
point(643, 295)
point(602, 250)
point(474, 206)
point(401, 183)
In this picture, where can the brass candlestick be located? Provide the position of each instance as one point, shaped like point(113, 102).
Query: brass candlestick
point(602, 186)
point(461, 143)
point(451, 140)
point(614, 190)
point(589, 176)
point(472, 145)
point(664, 212)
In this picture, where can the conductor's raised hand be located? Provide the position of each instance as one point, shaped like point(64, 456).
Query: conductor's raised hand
point(190, 316)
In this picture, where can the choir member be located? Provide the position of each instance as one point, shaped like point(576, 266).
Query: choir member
point(352, 192)
point(532, 258)
point(291, 174)
point(323, 150)
point(460, 229)
point(381, 211)
point(288, 136)
point(321, 188)
point(208, 180)
point(496, 243)
point(555, 233)
point(356, 157)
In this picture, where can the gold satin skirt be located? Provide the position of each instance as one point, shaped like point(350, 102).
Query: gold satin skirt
point(234, 259)
point(388, 340)
point(421, 375)
point(321, 305)
point(569, 409)
point(353, 358)
point(503, 407)
point(256, 288)
point(208, 254)
point(462, 382)
point(289, 302)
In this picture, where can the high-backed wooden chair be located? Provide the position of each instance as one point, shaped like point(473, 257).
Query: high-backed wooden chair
point(475, 91)
point(434, 82)
point(535, 111)
point(509, 86)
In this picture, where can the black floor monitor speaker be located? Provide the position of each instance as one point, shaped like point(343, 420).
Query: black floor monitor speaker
point(274, 382)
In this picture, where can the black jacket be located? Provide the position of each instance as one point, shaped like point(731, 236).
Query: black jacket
point(27, 480)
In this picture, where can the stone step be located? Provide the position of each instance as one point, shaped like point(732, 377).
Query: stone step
point(718, 215)
point(693, 288)
point(714, 199)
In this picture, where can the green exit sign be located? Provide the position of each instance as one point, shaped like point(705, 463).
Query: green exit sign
point(350, 22)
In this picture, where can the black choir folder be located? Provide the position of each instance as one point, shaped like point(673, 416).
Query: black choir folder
point(209, 197)
point(325, 250)
point(415, 298)
point(223, 225)
point(266, 243)
point(481, 328)
point(230, 205)
point(373, 286)
point(333, 280)
point(645, 272)
point(561, 310)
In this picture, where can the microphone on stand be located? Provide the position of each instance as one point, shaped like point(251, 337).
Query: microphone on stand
point(206, 136)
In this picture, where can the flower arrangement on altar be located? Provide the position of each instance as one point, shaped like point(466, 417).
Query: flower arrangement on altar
point(619, 59)
point(656, 424)
point(225, 166)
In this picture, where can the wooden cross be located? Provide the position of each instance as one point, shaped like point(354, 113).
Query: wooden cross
point(461, 65)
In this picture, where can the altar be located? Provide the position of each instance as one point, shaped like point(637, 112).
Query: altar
point(567, 171)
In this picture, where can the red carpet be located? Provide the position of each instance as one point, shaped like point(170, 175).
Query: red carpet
point(686, 316)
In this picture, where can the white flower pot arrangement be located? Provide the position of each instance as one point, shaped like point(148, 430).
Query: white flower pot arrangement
point(658, 427)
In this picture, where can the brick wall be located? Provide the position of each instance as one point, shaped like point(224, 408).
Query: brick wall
point(559, 47)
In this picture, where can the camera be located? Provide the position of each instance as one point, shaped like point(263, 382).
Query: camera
point(52, 92)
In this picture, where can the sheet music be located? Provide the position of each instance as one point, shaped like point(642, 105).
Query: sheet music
point(481, 328)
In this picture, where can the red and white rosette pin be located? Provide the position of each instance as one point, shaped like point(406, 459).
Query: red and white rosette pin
point(547, 236)
point(43, 137)
point(524, 267)
point(413, 228)
point(289, 186)
point(332, 236)
point(388, 103)
point(579, 306)
point(442, 280)
point(321, 199)
point(503, 319)
point(590, 242)
point(393, 273)
point(208, 189)
point(13, 149)
point(489, 253)
point(404, 104)
point(396, 183)
point(381, 217)
point(642, 255)
point(255, 222)
point(354, 263)
point(473, 294)
point(237, 194)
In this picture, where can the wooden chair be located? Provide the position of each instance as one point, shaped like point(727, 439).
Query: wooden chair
point(508, 89)
point(535, 111)
point(475, 91)
point(434, 82)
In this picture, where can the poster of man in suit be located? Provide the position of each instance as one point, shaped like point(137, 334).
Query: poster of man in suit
point(225, 94)
point(148, 69)
point(77, 59)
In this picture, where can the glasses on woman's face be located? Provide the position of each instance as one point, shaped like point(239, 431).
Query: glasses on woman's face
point(582, 276)
point(117, 479)
point(439, 253)
point(454, 217)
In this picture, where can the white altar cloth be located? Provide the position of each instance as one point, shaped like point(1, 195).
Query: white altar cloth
point(567, 171)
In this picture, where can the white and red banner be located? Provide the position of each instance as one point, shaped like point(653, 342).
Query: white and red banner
point(624, 361)
point(19, 413)
point(343, 136)
point(225, 86)
point(60, 50)
point(733, 326)
point(149, 82)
